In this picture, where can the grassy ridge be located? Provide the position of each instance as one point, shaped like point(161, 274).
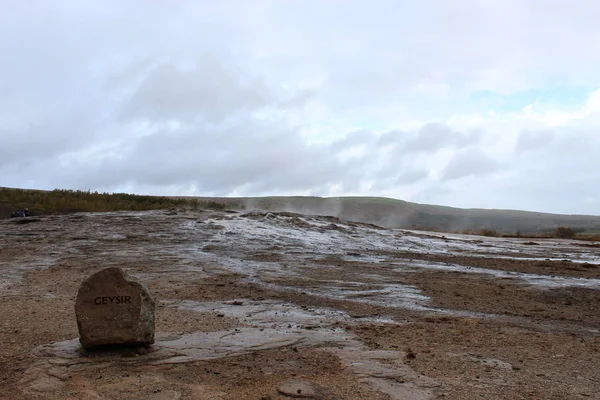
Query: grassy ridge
point(66, 201)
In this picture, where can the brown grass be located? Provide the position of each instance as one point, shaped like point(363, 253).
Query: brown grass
point(67, 201)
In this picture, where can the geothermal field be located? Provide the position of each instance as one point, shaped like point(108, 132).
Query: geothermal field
point(278, 305)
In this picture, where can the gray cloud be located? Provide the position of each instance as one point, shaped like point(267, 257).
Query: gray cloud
point(353, 139)
point(436, 136)
point(262, 98)
point(532, 140)
point(216, 161)
point(472, 162)
point(45, 139)
point(399, 177)
point(210, 90)
point(416, 175)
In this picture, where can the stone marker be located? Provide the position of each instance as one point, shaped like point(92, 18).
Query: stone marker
point(112, 309)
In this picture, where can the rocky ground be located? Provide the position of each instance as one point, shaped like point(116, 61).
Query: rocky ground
point(276, 305)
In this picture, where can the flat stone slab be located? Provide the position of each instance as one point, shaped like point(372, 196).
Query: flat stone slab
point(113, 308)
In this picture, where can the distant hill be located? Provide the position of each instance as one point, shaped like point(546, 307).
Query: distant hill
point(382, 211)
point(394, 213)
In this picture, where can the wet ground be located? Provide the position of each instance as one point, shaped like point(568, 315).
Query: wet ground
point(249, 302)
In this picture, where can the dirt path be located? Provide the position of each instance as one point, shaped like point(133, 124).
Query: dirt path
point(249, 302)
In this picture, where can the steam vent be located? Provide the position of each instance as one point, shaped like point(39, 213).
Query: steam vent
point(113, 308)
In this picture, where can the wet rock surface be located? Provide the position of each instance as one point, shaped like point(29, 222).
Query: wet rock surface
point(250, 301)
point(113, 308)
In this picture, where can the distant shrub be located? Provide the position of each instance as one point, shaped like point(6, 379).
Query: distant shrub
point(213, 205)
point(564, 232)
point(488, 232)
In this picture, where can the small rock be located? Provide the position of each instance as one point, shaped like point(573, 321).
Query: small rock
point(297, 389)
point(305, 390)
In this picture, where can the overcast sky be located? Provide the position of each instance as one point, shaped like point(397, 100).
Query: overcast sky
point(468, 103)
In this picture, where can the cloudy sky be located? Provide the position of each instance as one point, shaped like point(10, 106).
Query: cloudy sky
point(468, 103)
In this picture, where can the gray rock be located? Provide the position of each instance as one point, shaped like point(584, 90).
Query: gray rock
point(114, 309)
